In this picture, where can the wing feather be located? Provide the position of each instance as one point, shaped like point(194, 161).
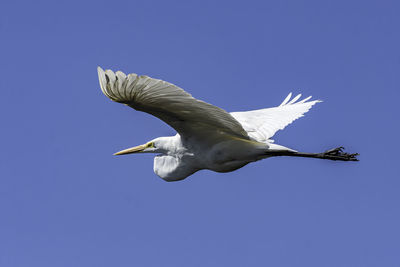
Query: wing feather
point(187, 115)
point(262, 124)
point(286, 99)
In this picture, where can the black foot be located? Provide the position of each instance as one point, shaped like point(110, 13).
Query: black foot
point(338, 154)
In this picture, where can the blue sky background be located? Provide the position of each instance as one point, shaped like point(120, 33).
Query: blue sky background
point(66, 201)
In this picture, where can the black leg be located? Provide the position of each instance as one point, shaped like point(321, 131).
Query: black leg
point(332, 154)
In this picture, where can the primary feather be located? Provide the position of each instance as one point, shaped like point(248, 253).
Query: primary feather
point(262, 124)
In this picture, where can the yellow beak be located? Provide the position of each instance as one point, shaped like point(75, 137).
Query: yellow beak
point(131, 150)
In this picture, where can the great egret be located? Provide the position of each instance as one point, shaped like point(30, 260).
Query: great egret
point(207, 136)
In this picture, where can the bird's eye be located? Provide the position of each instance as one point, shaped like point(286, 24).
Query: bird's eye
point(150, 145)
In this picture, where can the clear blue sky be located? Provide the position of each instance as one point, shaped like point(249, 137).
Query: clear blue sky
point(66, 201)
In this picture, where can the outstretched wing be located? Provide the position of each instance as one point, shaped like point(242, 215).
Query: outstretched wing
point(262, 124)
point(188, 116)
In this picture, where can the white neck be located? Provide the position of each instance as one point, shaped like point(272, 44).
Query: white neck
point(168, 144)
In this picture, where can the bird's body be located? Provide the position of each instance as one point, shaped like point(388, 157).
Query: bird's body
point(178, 158)
point(184, 157)
point(208, 137)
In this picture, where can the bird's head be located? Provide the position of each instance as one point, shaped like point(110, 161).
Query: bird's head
point(157, 145)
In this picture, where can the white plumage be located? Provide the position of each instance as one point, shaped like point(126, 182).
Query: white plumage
point(262, 124)
point(208, 137)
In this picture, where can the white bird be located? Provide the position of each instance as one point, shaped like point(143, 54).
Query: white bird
point(207, 136)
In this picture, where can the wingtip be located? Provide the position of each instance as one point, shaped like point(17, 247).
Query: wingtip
point(99, 70)
point(103, 82)
point(117, 86)
point(286, 99)
point(101, 74)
